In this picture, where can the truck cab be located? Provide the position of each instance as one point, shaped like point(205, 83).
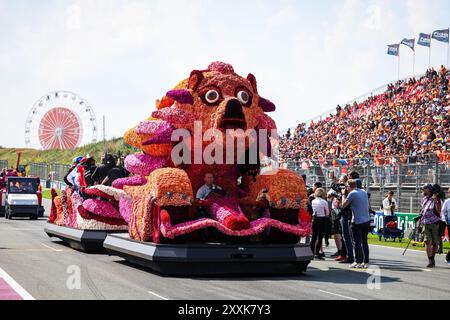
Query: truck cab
point(22, 198)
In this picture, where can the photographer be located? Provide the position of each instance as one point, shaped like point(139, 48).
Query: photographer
point(430, 217)
point(389, 204)
point(345, 218)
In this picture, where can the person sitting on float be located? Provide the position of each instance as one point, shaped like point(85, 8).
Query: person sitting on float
point(209, 188)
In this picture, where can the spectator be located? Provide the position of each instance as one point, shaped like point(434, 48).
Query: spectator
point(115, 173)
point(108, 163)
point(336, 229)
point(321, 215)
point(445, 215)
point(358, 201)
point(430, 217)
point(389, 204)
point(389, 122)
point(345, 218)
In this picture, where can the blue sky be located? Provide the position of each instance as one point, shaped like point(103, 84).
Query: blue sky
point(123, 55)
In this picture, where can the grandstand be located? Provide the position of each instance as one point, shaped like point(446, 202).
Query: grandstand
point(397, 139)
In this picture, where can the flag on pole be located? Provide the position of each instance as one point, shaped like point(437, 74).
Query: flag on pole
point(393, 49)
point(424, 40)
point(441, 35)
point(409, 43)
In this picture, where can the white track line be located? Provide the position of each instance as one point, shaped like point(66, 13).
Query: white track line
point(57, 250)
point(338, 295)
point(15, 286)
point(402, 249)
point(157, 295)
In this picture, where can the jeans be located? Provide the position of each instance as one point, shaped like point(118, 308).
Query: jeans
point(347, 236)
point(360, 232)
point(318, 228)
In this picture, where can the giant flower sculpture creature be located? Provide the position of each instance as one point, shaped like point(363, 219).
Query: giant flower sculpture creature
point(184, 139)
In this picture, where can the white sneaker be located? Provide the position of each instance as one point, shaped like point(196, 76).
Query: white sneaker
point(364, 266)
point(355, 265)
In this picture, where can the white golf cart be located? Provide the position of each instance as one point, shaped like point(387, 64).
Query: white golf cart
point(21, 198)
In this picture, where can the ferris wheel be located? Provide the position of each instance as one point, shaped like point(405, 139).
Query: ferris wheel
point(60, 120)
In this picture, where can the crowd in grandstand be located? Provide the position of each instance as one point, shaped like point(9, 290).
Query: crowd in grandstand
point(410, 119)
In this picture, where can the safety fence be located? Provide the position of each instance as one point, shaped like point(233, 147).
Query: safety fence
point(405, 178)
point(52, 173)
point(3, 164)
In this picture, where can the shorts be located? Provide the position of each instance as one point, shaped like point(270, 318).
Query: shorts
point(431, 233)
point(336, 228)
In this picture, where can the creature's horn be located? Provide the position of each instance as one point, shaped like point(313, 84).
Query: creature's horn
point(195, 79)
point(266, 105)
point(181, 95)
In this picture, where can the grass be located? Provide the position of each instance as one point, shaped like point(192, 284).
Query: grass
point(46, 194)
point(373, 239)
point(65, 156)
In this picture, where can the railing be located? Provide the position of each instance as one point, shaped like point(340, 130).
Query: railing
point(3, 164)
point(404, 178)
point(39, 170)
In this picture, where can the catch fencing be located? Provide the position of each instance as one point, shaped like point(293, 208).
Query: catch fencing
point(405, 178)
point(52, 173)
point(3, 164)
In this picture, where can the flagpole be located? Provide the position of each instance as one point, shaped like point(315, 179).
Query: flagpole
point(429, 55)
point(414, 62)
point(448, 49)
point(398, 67)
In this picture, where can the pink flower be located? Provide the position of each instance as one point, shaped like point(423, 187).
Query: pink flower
point(144, 164)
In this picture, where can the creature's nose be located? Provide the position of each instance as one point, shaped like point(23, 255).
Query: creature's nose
point(233, 110)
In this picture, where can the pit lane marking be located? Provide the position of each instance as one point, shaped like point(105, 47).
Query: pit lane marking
point(15, 286)
point(157, 295)
point(56, 250)
point(338, 295)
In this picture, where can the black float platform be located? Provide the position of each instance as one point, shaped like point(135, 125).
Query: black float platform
point(85, 240)
point(211, 259)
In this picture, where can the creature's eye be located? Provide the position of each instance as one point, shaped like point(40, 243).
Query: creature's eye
point(212, 96)
point(244, 97)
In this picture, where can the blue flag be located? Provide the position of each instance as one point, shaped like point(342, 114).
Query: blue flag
point(409, 43)
point(393, 49)
point(440, 35)
point(424, 40)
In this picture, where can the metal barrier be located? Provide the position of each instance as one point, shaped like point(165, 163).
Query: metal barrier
point(39, 170)
point(58, 171)
point(405, 179)
point(3, 164)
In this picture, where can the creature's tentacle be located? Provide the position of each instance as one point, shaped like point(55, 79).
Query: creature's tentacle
point(153, 127)
point(144, 164)
point(227, 212)
point(163, 137)
point(256, 227)
point(130, 181)
point(102, 208)
point(174, 115)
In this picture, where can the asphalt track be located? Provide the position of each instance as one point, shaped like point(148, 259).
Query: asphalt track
point(38, 267)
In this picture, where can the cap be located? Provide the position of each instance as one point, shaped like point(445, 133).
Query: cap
point(427, 186)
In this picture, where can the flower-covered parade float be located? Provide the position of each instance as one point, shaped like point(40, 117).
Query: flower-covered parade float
point(196, 201)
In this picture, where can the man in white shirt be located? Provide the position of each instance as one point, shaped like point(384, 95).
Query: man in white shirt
point(208, 187)
point(389, 204)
